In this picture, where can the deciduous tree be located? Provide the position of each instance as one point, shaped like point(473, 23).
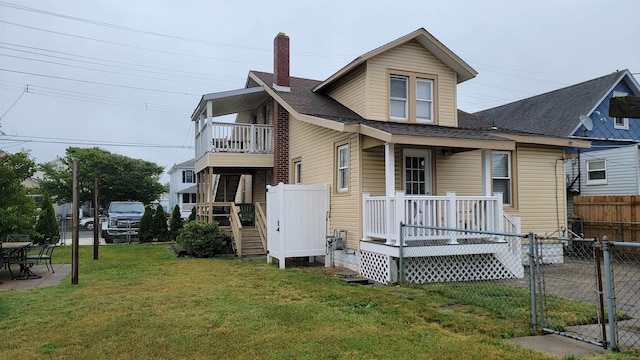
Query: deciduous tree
point(17, 210)
point(121, 177)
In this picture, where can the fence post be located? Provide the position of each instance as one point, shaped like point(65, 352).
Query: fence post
point(401, 257)
point(613, 340)
point(532, 282)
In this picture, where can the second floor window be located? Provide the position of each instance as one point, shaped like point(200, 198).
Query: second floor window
point(188, 176)
point(398, 95)
point(620, 123)
point(411, 98)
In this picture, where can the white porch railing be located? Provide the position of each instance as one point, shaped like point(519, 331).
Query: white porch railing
point(382, 216)
point(242, 138)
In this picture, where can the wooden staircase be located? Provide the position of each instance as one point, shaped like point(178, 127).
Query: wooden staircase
point(251, 244)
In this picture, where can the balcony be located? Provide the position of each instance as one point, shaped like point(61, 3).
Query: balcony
point(234, 145)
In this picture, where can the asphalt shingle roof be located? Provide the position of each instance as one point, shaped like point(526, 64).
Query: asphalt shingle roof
point(305, 101)
point(556, 113)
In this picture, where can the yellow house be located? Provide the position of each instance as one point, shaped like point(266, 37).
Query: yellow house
point(385, 134)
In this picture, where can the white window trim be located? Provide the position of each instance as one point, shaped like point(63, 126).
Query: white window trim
point(419, 119)
point(426, 153)
point(625, 121)
point(508, 177)
point(339, 186)
point(405, 99)
point(597, 181)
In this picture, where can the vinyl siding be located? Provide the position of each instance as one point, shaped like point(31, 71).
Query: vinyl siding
point(539, 189)
point(373, 180)
point(260, 186)
point(460, 173)
point(622, 171)
point(350, 91)
point(410, 57)
point(316, 148)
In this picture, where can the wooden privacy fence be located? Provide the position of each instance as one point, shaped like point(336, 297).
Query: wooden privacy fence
point(617, 216)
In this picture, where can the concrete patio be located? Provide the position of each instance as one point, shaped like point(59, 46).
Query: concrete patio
point(48, 278)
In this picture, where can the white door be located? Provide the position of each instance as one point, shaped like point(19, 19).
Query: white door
point(417, 171)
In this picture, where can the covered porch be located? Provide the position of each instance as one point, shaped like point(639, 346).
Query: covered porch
point(438, 238)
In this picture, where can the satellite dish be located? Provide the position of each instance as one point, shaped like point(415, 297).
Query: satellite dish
point(586, 122)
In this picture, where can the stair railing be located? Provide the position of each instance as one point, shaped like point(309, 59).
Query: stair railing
point(236, 227)
point(261, 224)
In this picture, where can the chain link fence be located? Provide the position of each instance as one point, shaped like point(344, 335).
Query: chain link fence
point(571, 288)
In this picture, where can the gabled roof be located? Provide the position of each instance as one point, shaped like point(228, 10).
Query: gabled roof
point(422, 36)
point(189, 164)
point(556, 113)
point(329, 113)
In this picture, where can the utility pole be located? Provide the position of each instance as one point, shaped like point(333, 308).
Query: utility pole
point(96, 219)
point(75, 222)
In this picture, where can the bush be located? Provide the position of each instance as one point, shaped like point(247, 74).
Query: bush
point(192, 216)
point(202, 240)
point(47, 225)
point(159, 226)
point(145, 233)
point(176, 223)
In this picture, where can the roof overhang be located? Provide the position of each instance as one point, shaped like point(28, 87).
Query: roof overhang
point(547, 140)
point(189, 190)
point(424, 38)
point(495, 144)
point(231, 102)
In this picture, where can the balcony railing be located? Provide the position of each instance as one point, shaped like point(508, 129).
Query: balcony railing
point(242, 138)
point(382, 216)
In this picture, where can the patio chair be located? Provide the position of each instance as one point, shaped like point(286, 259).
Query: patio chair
point(18, 238)
point(19, 256)
point(37, 252)
point(45, 253)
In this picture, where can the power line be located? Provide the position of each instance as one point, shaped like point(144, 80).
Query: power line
point(26, 89)
point(146, 32)
point(98, 83)
point(52, 140)
point(126, 45)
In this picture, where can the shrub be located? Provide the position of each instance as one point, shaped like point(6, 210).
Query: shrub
point(176, 223)
point(192, 216)
point(160, 231)
point(145, 233)
point(47, 225)
point(202, 240)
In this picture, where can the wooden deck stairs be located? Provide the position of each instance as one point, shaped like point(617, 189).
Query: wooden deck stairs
point(251, 244)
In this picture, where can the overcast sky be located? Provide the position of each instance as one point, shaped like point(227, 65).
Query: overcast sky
point(126, 75)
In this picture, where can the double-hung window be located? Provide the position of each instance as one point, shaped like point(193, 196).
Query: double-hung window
point(596, 172)
point(398, 105)
point(501, 173)
point(424, 100)
point(188, 176)
point(343, 168)
point(411, 98)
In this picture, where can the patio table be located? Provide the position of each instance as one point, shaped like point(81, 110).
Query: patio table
point(25, 270)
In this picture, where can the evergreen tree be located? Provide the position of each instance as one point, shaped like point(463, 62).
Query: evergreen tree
point(145, 233)
point(176, 223)
point(47, 226)
point(192, 216)
point(160, 231)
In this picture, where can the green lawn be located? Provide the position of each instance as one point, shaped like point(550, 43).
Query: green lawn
point(141, 302)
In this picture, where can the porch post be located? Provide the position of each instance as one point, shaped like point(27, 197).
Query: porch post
point(452, 217)
point(486, 172)
point(499, 214)
point(252, 139)
point(390, 187)
point(398, 216)
point(389, 169)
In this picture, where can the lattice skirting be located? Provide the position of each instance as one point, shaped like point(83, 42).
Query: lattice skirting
point(375, 266)
point(432, 269)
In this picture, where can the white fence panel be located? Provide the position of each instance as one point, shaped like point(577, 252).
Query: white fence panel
point(297, 221)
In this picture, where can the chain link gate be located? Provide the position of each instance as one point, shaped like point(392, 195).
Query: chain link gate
point(598, 280)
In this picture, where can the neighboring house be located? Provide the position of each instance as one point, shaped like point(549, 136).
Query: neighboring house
point(386, 135)
point(182, 188)
point(612, 165)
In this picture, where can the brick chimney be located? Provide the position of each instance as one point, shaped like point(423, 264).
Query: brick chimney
point(281, 78)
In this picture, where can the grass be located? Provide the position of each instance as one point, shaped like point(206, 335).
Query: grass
point(140, 301)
